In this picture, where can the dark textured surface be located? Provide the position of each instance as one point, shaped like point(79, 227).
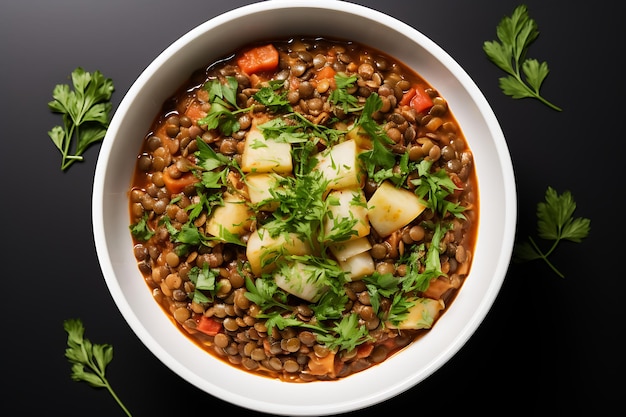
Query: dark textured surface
point(549, 345)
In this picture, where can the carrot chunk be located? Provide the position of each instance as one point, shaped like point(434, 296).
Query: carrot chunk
point(406, 98)
point(421, 101)
point(195, 112)
point(326, 73)
point(258, 59)
point(176, 185)
point(208, 325)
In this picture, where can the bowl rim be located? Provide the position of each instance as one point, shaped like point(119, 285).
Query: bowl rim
point(487, 297)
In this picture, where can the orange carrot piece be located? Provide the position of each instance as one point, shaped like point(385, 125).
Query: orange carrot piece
point(258, 59)
point(421, 101)
point(195, 112)
point(325, 73)
point(406, 98)
point(208, 325)
point(176, 185)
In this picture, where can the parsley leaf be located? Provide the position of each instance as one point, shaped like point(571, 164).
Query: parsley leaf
point(346, 334)
point(399, 309)
point(379, 286)
point(433, 188)
point(302, 208)
point(555, 222)
point(414, 280)
point(216, 166)
point(275, 319)
point(516, 33)
point(330, 305)
point(380, 155)
point(340, 95)
point(265, 293)
point(85, 113)
point(141, 230)
point(204, 280)
point(89, 361)
point(271, 99)
point(223, 111)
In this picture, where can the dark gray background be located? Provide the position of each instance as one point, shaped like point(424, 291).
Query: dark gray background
point(548, 345)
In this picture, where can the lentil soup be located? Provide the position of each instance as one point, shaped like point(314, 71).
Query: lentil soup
point(304, 208)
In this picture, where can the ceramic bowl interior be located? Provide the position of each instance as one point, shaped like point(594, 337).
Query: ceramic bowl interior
point(279, 19)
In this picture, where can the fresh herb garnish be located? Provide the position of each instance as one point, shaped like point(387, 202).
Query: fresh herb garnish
point(141, 230)
point(380, 286)
point(399, 309)
point(205, 284)
point(302, 208)
point(224, 108)
point(433, 188)
point(414, 280)
point(272, 99)
point(379, 156)
point(555, 222)
point(215, 166)
point(340, 95)
point(85, 113)
point(89, 360)
point(346, 334)
point(516, 33)
point(265, 293)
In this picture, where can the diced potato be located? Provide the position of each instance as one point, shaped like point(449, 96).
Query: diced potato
point(234, 216)
point(301, 280)
point(360, 137)
point(265, 155)
point(349, 248)
point(358, 266)
point(340, 165)
point(259, 186)
point(422, 315)
point(263, 250)
point(351, 204)
point(391, 208)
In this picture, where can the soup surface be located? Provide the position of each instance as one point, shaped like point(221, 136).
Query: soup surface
point(304, 208)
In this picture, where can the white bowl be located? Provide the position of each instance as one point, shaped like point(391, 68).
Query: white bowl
point(276, 19)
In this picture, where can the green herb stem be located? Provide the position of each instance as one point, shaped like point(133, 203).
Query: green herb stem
point(533, 94)
point(545, 256)
point(107, 385)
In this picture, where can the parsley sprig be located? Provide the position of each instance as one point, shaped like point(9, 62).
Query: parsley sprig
point(347, 334)
point(85, 113)
point(555, 222)
point(516, 33)
point(379, 156)
point(302, 207)
point(224, 111)
point(340, 95)
point(224, 108)
point(89, 360)
point(205, 283)
point(141, 230)
point(433, 188)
